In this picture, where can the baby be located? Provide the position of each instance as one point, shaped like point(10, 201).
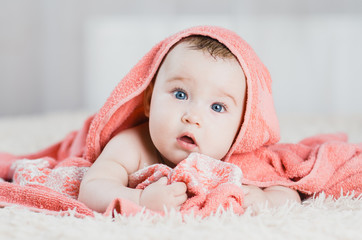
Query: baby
point(195, 103)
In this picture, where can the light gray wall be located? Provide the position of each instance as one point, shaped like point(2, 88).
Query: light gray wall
point(53, 54)
point(40, 56)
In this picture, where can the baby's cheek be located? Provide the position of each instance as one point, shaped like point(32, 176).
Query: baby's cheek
point(223, 144)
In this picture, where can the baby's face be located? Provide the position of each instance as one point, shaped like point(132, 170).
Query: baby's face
point(197, 104)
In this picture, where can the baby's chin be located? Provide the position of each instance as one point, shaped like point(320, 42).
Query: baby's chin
point(178, 157)
point(172, 161)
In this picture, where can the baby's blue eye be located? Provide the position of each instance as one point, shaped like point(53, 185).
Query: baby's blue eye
point(217, 107)
point(180, 95)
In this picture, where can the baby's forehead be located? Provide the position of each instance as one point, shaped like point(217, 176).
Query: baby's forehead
point(184, 51)
point(183, 62)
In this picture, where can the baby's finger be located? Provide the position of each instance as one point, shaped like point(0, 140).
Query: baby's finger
point(178, 188)
point(162, 181)
point(180, 199)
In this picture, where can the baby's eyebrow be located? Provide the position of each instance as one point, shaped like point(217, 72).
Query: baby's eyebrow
point(178, 78)
point(226, 94)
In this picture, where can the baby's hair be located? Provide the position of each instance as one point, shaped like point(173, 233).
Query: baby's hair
point(204, 43)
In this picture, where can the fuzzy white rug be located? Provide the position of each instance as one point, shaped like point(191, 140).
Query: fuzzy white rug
point(318, 218)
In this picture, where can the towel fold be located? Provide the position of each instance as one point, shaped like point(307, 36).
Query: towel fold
point(210, 183)
point(323, 163)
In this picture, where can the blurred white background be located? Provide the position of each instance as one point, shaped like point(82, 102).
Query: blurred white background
point(61, 55)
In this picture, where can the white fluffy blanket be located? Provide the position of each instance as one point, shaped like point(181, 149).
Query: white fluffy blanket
point(318, 218)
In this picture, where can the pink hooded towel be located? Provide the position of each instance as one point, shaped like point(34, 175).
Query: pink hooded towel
point(49, 180)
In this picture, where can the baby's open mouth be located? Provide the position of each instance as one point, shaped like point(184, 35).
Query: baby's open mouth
point(187, 139)
point(187, 142)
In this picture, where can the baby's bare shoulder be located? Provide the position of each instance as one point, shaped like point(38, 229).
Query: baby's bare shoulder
point(129, 137)
point(131, 148)
point(125, 153)
point(119, 158)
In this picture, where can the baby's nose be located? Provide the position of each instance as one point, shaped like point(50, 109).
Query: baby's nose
point(191, 117)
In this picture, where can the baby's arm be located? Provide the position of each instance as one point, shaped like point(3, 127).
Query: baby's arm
point(107, 178)
point(274, 195)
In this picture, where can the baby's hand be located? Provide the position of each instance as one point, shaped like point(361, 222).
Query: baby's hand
point(254, 197)
point(158, 195)
point(276, 196)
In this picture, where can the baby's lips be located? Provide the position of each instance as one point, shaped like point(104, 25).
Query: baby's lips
point(188, 138)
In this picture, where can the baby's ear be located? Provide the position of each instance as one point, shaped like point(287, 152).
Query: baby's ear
point(147, 99)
